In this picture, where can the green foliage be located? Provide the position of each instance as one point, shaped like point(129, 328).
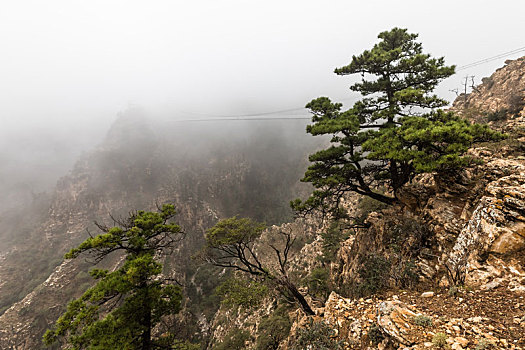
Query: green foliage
point(121, 309)
point(241, 292)
point(453, 291)
point(273, 329)
point(319, 336)
point(206, 278)
point(500, 114)
point(318, 282)
point(423, 321)
point(390, 135)
point(233, 231)
point(366, 206)
point(235, 340)
point(332, 238)
point(434, 142)
point(184, 345)
point(375, 335)
point(374, 274)
point(231, 244)
point(407, 274)
point(439, 340)
point(484, 344)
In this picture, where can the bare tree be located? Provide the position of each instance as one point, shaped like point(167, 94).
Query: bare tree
point(230, 244)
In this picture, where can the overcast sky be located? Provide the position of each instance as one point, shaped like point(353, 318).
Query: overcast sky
point(69, 66)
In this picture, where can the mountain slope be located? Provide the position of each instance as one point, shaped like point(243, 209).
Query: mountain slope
point(207, 171)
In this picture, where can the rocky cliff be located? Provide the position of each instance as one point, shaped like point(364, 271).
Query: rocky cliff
point(206, 171)
point(444, 269)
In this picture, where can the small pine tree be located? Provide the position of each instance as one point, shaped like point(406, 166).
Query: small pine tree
point(121, 309)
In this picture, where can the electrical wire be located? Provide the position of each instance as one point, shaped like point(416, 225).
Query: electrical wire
point(261, 116)
point(490, 59)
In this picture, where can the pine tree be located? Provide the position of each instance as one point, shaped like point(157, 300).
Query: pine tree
point(393, 133)
point(122, 308)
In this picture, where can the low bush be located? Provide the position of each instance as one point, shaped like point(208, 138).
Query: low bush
point(366, 206)
point(319, 336)
point(273, 329)
point(235, 340)
point(241, 292)
point(375, 335)
point(332, 238)
point(318, 283)
point(439, 340)
point(484, 344)
point(423, 321)
point(498, 115)
point(374, 275)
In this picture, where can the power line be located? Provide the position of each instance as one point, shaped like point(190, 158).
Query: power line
point(228, 116)
point(231, 116)
point(489, 59)
point(242, 118)
point(261, 116)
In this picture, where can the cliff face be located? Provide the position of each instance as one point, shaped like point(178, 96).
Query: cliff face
point(500, 99)
point(205, 171)
point(466, 230)
point(448, 264)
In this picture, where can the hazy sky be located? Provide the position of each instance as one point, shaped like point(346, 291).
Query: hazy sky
point(69, 66)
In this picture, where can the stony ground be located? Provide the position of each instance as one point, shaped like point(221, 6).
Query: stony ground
point(468, 319)
point(497, 315)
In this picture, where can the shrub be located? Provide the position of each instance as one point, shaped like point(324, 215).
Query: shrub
point(423, 321)
point(375, 334)
point(439, 340)
point(484, 344)
point(240, 292)
point(319, 336)
point(374, 275)
point(318, 282)
point(332, 239)
point(235, 340)
point(366, 206)
point(409, 275)
point(497, 115)
point(405, 237)
point(273, 330)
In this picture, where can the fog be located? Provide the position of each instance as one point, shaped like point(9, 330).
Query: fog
point(68, 67)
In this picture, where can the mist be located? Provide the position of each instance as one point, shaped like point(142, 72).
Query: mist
point(68, 68)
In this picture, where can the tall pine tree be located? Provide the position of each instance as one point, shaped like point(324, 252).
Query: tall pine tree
point(394, 132)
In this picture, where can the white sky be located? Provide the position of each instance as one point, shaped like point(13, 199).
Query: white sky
point(72, 64)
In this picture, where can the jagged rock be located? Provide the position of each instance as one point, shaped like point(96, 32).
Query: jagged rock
point(503, 90)
point(495, 231)
point(395, 319)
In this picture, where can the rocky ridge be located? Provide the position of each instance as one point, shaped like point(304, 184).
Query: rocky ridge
point(464, 234)
point(138, 168)
point(477, 224)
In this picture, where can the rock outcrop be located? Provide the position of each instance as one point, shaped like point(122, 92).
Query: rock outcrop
point(467, 320)
point(465, 234)
point(500, 99)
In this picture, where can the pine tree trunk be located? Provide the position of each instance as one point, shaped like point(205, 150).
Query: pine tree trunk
point(297, 295)
point(146, 336)
point(146, 320)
